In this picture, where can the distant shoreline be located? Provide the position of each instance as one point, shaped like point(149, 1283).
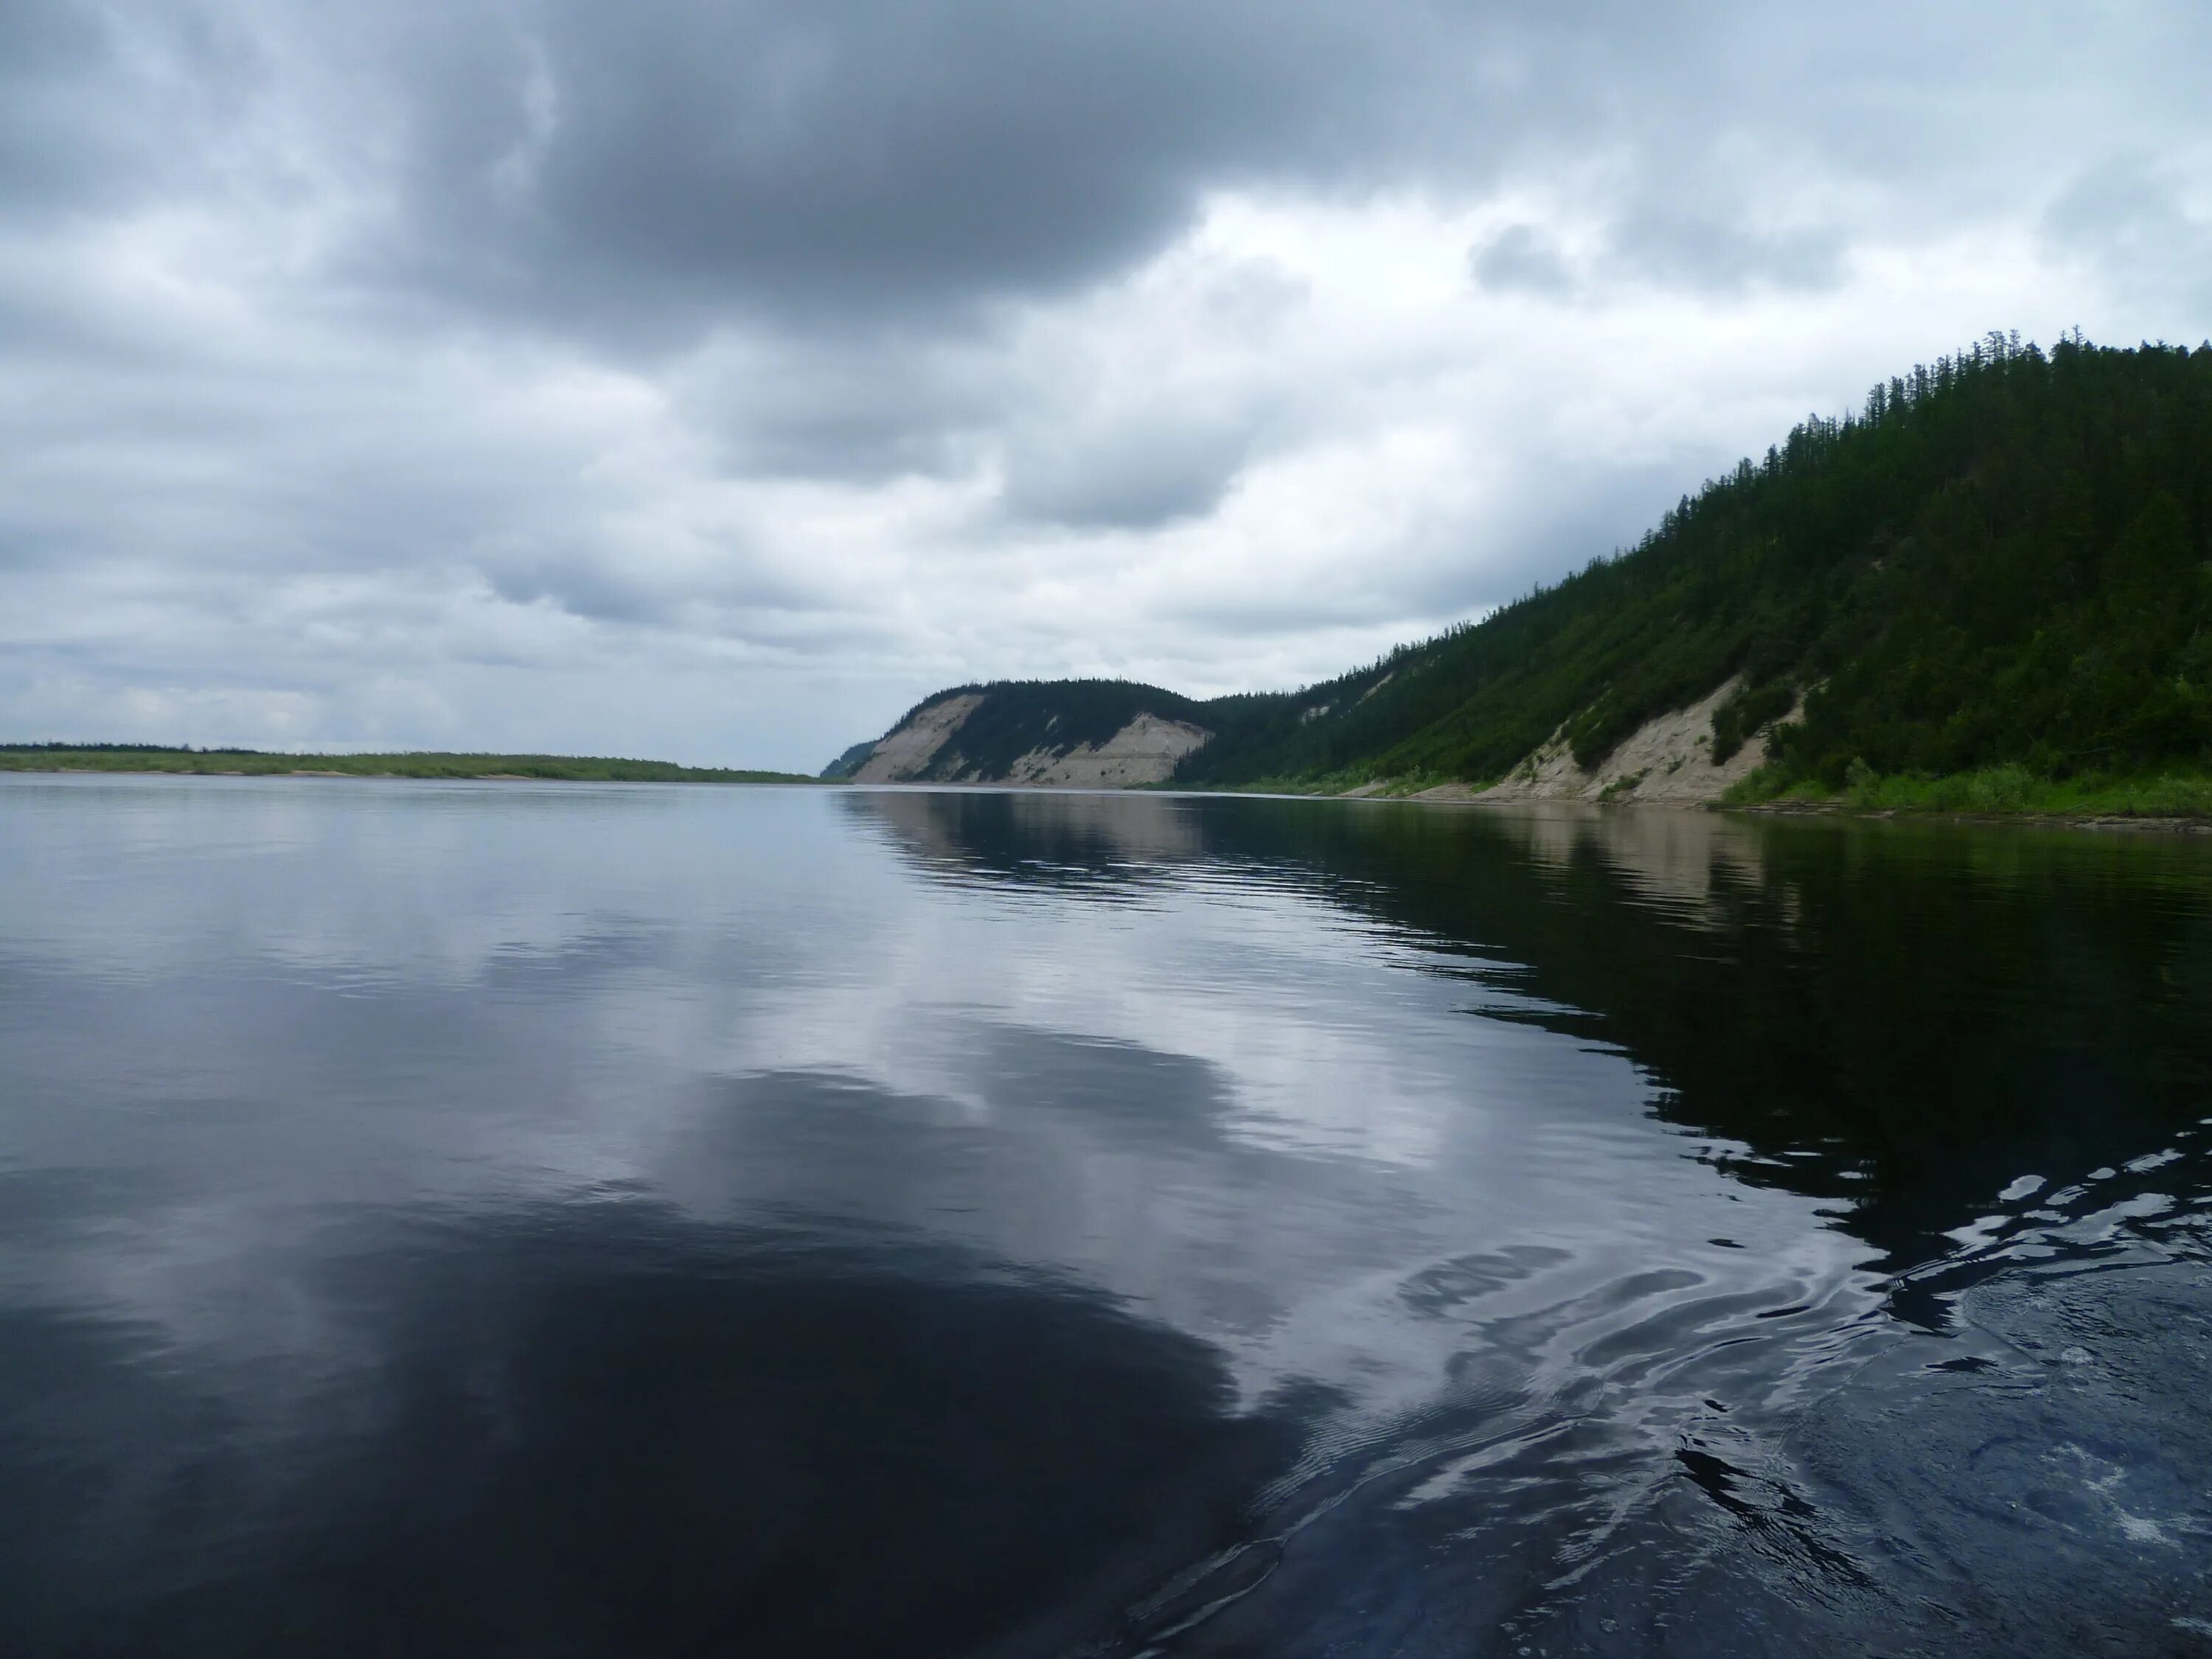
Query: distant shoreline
point(150, 761)
point(434, 766)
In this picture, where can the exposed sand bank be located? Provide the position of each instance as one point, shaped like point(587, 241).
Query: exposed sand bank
point(1144, 750)
point(1666, 762)
point(906, 752)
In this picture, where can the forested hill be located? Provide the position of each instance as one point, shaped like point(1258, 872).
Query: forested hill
point(1108, 732)
point(2000, 560)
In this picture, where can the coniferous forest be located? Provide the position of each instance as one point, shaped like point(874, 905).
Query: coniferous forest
point(2000, 561)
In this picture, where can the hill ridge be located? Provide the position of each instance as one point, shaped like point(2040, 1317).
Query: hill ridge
point(2000, 560)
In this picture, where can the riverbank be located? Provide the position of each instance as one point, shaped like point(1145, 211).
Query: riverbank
point(252, 762)
point(1993, 795)
point(2000, 795)
point(2173, 803)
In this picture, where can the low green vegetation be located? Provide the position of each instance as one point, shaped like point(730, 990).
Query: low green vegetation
point(1994, 791)
point(251, 762)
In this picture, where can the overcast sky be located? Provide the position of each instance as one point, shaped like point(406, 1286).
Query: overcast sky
point(711, 381)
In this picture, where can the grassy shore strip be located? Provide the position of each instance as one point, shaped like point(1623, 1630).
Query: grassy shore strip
point(249, 763)
point(1354, 782)
point(1995, 791)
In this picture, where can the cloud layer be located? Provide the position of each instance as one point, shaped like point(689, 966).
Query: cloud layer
point(713, 381)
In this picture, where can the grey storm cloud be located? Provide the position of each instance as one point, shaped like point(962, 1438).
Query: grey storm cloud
point(1145, 471)
point(60, 148)
point(352, 352)
point(2129, 215)
point(1521, 256)
point(864, 402)
point(647, 169)
point(1714, 253)
point(655, 165)
point(647, 166)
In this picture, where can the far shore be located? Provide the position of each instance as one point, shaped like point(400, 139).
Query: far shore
point(426, 764)
point(1951, 801)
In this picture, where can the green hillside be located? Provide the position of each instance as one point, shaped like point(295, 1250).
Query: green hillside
point(1999, 562)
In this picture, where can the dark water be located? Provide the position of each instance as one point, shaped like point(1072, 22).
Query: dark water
point(517, 1219)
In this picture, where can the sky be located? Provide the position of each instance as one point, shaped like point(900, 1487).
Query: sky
point(711, 379)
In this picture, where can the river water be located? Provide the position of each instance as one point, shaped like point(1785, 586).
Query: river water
point(511, 1219)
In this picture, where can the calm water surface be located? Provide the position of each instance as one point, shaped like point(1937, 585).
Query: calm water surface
point(527, 1219)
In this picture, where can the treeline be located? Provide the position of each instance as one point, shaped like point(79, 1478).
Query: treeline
point(253, 763)
point(2000, 559)
point(116, 748)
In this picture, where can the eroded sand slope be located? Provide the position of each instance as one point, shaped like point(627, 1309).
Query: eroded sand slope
point(1144, 750)
point(907, 750)
point(1669, 760)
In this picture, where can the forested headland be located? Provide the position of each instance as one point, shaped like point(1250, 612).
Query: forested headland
point(1986, 589)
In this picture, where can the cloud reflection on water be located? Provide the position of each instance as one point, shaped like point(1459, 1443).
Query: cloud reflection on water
point(1453, 1176)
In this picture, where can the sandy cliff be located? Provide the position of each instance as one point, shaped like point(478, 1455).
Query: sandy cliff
point(1144, 750)
point(1666, 761)
point(906, 751)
